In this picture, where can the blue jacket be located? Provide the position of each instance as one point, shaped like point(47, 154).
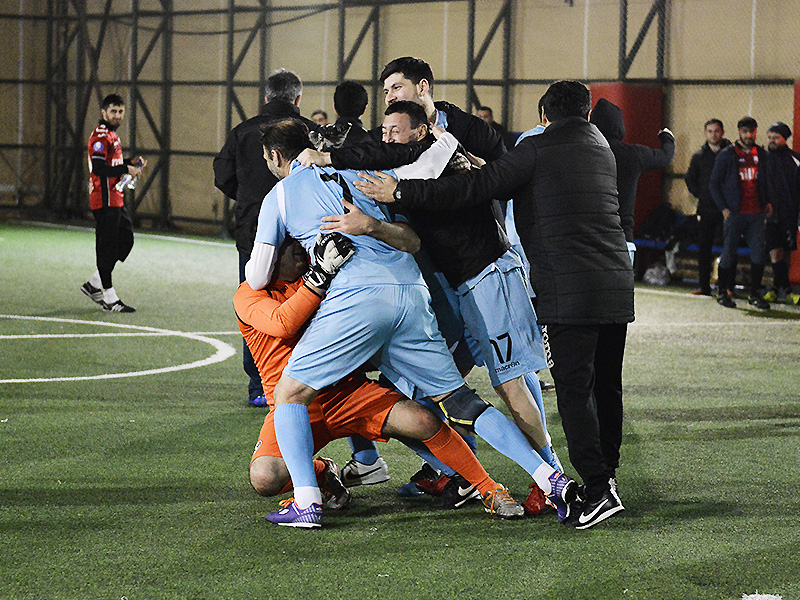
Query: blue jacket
point(724, 183)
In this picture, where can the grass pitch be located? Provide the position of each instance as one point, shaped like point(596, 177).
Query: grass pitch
point(118, 485)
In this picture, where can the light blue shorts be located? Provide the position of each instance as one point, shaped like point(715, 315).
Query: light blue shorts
point(498, 313)
point(391, 324)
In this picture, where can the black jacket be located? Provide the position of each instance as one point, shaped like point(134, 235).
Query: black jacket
point(461, 242)
point(785, 188)
point(632, 159)
point(241, 173)
point(475, 134)
point(724, 182)
point(699, 174)
point(357, 133)
point(565, 205)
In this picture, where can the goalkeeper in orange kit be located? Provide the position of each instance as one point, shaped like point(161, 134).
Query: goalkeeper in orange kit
point(272, 321)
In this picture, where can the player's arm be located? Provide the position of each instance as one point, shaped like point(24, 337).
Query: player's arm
point(498, 179)
point(276, 318)
point(102, 169)
point(354, 222)
point(432, 162)
point(258, 270)
point(225, 179)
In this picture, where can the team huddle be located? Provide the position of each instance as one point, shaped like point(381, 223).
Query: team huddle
point(412, 275)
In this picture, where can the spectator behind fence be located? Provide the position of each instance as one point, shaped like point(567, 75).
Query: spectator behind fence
point(632, 160)
point(709, 217)
point(320, 117)
point(739, 188)
point(781, 228)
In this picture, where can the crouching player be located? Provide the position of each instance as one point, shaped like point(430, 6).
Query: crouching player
point(272, 321)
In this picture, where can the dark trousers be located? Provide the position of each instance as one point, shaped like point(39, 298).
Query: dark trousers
point(707, 227)
point(113, 240)
point(254, 389)
point(587, 371)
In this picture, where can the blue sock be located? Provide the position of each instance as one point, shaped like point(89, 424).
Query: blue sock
point(426, 455)
point(504, 436)
point(293, 432)
point(364, 450)
point(532, 381)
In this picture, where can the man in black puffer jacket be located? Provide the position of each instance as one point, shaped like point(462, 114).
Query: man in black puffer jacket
point(632, 159)
point(567, 214)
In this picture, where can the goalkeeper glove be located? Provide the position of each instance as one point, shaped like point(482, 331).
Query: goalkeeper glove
point(331, 252)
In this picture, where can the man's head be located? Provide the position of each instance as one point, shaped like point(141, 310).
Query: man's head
point(407, 78)
point(112, 109)
point(283, 86)
point(283, 140)
point(714, 130)
point(350, 99)
point(292, 261)
point(320, 117)
point(566, 99)
point(486, 113)
point(777, 135)
point(748, 128)
point(404, 121)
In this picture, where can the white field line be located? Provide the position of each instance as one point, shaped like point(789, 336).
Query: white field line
point(152, 236)
point(223, 350)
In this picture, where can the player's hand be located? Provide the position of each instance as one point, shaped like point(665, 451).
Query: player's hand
point(768, 211)
point(331, 252)
point(310, 158)
point(726, 213)
point(353, 222)
point(437, 131)
point(134, 170)
point(380, 186)
point(140, 161)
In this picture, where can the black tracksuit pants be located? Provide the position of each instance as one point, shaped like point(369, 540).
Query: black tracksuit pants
point(587, 371)
point(113, 240)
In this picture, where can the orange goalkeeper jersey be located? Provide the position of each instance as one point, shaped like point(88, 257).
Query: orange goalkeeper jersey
point(272, 321)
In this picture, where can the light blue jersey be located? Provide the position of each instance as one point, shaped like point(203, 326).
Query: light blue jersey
point(511, 228)
point(377, 306)
point(295, 207)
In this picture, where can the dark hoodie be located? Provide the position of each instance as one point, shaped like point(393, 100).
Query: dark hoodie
point(632, 159)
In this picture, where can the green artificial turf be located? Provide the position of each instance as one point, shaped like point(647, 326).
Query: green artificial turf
point(136, 487)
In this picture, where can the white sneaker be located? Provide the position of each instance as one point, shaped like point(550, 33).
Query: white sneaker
point(357, 473)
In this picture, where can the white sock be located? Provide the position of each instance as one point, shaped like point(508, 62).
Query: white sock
point(95, 280)
point(110, 296)
point(542, 477)
point(306, 496)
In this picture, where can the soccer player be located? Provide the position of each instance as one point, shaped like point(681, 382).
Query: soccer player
point(113, 231)
point(272, 321)
point(377, 306)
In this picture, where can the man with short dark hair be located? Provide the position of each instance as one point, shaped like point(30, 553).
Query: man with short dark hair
point(241, 174)
point(709, 216)
point(113, 232)
point(320, 117)
point(739, 187)
point(350, 101)
point(565, 200)
point(409, 78)
point(781, 228)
